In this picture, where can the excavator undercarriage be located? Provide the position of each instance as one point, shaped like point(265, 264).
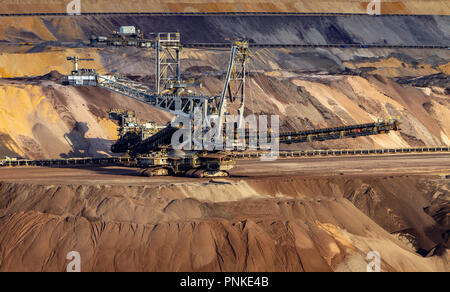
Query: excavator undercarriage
point(153, 158)
point(190, 165)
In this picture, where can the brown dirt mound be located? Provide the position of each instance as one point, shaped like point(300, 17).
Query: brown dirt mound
point(289, 224)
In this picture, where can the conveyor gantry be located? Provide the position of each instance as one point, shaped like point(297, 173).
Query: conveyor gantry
point(352, 131)
point(182, 105)
point(163, 138)
point(170, 95)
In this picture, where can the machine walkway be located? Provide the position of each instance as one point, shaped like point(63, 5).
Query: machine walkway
point(175, 104)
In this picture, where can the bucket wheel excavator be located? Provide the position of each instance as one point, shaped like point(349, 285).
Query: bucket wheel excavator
point(155, 153)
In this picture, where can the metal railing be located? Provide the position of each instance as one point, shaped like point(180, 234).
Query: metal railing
point(66, 162)
point(343, 46)
point(316, 153)
point(111, 161)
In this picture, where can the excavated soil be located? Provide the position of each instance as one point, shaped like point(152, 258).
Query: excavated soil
point(288, 223)
point(290, 215)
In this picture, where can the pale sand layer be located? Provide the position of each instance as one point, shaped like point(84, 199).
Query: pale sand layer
point(441, 7)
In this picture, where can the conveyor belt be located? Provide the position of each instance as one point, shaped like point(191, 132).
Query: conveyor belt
point(80, 162)
point(163, 138)
point(353, 131)
point(343, 132)
point(348, 152)
point(342, 46)
point(66, 162)
point(251, 45)
point(178, 105)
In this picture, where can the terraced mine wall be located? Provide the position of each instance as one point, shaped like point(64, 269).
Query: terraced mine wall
point(328, 29)
point(267, 6)
point(307, 87)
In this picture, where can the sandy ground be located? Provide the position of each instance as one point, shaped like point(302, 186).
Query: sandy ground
point(376, 165)
point(356, 166)
point(321, 214)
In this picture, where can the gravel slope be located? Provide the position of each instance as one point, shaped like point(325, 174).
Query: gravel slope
point(363, 29)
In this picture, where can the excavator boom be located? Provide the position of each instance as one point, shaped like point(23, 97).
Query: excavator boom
point(163, 138)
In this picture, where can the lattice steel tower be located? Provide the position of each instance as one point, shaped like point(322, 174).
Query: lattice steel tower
point(234, 87)
point(168, 47)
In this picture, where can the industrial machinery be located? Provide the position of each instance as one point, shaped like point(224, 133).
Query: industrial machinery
point(126, 36)
point(173, 94)
point(131, 130)
point(196, 165)
point(80, 77)
point(207, 164)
